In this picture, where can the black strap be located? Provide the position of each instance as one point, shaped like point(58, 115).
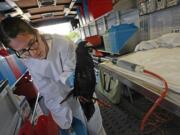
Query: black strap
point(109, 83)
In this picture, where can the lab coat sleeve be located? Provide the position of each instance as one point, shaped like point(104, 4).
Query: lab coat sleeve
point(62, 113)
point(68, 61)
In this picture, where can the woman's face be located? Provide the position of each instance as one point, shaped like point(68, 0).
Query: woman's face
point(28, 45)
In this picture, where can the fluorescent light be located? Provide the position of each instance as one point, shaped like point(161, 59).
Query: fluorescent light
point(61, 29)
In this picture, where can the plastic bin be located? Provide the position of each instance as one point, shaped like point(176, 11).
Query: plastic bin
point(1, 77)
point(26, 87)
point(20, 64)
point(6, 71)
point(119, 39)
point(45, 126)
point(95, 40)
point(4, 52)
point(97, 8)
point(107, 42)
point(116, 40)
point(14, 66)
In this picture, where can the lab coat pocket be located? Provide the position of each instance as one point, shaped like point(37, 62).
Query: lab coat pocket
point(77, 128)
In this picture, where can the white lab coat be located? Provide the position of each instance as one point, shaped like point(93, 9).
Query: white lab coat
point(49, 76)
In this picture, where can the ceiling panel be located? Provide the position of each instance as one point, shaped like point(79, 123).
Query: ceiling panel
point(49, 12)
point(27, 3)
point(36, 17)
point(58, 13)
point(48, 18)
point(53, 17)
point(46, 9)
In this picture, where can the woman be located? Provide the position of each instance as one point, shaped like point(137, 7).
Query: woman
point(51, 62)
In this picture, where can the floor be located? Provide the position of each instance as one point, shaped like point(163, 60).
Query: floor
point(124, 119)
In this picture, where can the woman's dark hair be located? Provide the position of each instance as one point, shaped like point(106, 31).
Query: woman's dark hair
point(11, 27)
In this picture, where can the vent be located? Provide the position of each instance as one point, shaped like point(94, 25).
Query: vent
point(46, 2)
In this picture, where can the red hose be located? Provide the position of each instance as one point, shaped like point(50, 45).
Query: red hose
point(157, 102)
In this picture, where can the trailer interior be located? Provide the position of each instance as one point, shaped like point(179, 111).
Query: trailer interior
point(135, 48)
